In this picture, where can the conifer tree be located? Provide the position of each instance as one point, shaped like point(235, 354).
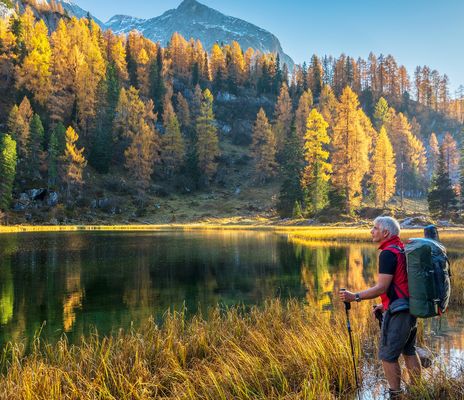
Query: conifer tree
point(317, 170)
point(142, 154)
point(8, 160)
point(183, 112)
point(383, 169)
point(328, 106)
point(35, 149)
point(451, 155)
point(442, 197)
point(282, 117)
point(207, 141)
point(291, 194)
point(302, 112)
point(34, 72)
point(461, 181)
point(101, 151)
point(433, 154)
point(381, 113)
point(350, 158)
point(19, 122)
point(217, 65)
point(62, 98)
point(172, 142)
point(53, 156)
point(263, 148)
point(315, 76)
point(74, 163)
point(157, 81)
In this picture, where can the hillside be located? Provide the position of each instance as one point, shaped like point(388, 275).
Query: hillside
point(100, 128)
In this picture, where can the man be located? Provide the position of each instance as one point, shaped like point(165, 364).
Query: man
point(398, 333)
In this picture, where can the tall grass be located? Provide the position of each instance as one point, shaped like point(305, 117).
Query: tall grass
point(281, 351)
point(271, 353)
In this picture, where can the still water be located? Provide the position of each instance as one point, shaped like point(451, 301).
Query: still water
point(75, 282)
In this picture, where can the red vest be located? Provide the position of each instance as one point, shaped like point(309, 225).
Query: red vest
point(400, 277)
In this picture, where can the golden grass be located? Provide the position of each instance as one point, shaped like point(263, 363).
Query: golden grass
point(280, 351)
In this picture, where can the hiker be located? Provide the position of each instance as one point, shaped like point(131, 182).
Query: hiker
point(398, 333)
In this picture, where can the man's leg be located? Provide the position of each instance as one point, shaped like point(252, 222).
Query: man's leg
point(392, 372)
point(414, 368)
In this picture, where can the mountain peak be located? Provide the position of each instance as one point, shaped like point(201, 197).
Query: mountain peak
point(191, 6)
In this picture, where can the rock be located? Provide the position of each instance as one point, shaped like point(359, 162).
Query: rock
point(37, 194)
point(415, 222)
point(20, 206)
point(237, 191)
point(52, 199)
point(24, 197)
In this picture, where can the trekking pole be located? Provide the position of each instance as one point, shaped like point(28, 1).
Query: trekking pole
point(348, 324)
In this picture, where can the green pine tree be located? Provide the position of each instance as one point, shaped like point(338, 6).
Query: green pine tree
point(8, 159)
point(291, 191)
point(53, 158)
point(442, 198)
point(207, 141)
point(35, 151)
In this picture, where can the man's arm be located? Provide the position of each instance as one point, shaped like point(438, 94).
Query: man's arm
point(381, 287)
point(387, 267)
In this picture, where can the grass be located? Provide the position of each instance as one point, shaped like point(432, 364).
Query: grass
point(280, 351)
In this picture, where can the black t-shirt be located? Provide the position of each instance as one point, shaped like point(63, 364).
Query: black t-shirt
point(387, 265)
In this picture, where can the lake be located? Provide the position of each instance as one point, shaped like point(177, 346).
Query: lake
point(75, 282)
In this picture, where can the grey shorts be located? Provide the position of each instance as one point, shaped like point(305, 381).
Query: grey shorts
point(398, 336)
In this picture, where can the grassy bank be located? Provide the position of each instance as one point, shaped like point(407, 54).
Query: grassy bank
point(281, 351)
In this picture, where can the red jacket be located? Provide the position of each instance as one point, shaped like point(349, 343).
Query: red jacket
point(400, 277)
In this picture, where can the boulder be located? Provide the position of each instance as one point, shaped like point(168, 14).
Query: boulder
point(37, 194)
point(415, 222)
point(52, 199)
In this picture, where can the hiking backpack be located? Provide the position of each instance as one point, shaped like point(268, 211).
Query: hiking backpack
point(428, 277)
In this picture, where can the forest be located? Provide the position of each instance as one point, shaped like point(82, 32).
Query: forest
point(336, 133)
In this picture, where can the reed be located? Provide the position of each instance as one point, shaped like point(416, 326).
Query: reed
point(280, 351)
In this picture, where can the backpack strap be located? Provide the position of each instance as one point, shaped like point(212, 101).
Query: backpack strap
point(393, 284)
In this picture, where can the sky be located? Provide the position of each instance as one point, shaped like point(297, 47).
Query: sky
point(415, 32)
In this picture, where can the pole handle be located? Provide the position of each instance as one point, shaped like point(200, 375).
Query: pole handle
point(347, 303)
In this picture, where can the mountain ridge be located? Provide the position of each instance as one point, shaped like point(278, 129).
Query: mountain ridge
point(194, 19)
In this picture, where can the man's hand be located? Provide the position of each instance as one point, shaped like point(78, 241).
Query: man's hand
point(378, 307)
point(346, 296)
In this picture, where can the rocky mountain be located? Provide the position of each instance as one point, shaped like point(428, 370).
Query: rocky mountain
point(7, 8)
point(193, 19)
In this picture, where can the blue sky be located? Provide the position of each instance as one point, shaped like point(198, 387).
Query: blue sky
point(415, 32)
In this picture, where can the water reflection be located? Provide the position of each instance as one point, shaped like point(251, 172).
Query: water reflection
point(76, 281)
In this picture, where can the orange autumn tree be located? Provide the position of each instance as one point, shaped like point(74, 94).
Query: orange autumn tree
point(317, 170)
point(74, 162)
point(350, 144)
point(383, 170)
point(263, 148)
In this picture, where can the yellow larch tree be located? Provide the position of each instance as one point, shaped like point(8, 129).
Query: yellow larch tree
point(350, 143)
point(207, 145)
point(61, 101)
point(74, 162)
point(172, 142)
point(217, 64)
point(143, 73)
point(317, 170)
point(263, 148)
point(383, 172)
point(142, 154)
point(34, 72)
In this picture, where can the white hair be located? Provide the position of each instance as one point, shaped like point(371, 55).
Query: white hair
point(388, 224)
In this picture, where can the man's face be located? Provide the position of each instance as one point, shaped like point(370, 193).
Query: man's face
point(378, 235)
